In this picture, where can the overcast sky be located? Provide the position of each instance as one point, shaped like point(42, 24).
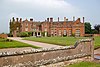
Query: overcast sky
point(39, 10)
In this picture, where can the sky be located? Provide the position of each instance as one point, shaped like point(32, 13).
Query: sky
point(39, 10)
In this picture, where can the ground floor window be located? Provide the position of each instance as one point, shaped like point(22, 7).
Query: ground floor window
point(70, 32)
point(59, 32)
point(26, 29)
point(65, 32)
point(77, 33)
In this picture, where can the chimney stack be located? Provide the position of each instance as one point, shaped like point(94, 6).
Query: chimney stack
point(13, 19)
point(47, 19)
point(83, 19)
point(20, 19)
point(58, 19)
point(17, 19)
point(73, 18)
point(31, 19)
point(64, 18)
point(51, 19)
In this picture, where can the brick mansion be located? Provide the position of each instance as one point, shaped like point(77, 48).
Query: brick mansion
point(48, 27)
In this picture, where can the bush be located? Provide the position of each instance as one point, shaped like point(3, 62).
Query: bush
point(23, 34)
point(43, 33)
point(10, 35)
point(73, 35)
point(29, 33)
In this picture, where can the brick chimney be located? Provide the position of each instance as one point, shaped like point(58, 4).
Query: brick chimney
point(17, 19)
point(78, 19)
point(13, 19)
point(73, 18)
point(64, 18)
point(47, 19)
point(20, 19)
point(58, 19)
point(83, 19)
point(31, 19)
point(51, 19)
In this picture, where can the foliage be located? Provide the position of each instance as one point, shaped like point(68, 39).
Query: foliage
point(43, 33)
point(88, 28)
point(23, 34)
point(29, 33)
point(14, 26)
point(85, 64)
point(94, 31)
point(10, 35)
point(97, 28)
point(6, 43)
point(73, 34)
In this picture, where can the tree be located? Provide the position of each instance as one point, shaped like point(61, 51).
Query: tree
point(88, 29)
point(97, 28)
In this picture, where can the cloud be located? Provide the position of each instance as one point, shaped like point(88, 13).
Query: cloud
point(52, 7)
point(38, 9)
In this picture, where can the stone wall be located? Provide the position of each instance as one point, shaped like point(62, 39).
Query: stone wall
point(96, 34)
point(38, 57)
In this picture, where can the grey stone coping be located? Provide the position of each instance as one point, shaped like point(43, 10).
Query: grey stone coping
point(30, 51)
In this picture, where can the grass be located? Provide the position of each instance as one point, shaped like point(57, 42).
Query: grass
point(97, 42)
point(85, 64)
point(13, 44)
point(63, 41)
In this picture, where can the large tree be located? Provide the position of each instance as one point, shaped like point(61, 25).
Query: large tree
point(97, 28)
point(88, 29)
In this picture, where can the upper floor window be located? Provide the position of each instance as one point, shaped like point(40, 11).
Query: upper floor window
point(26, 24)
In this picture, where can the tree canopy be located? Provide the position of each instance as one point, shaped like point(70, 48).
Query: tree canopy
point(88, 29)
point(97, 28)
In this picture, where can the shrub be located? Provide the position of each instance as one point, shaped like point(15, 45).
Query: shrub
point(73, 34)
point(10, 35)
point(43, 33)
point(23, 34)
point(29, 33)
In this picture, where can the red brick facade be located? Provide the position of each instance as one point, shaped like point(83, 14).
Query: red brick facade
point(50, 27)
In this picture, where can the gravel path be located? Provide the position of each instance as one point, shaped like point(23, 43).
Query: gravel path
point(39, 44)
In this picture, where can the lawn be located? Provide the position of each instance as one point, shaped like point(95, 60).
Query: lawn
point(85, 64)
point(4, 43)
point(97, 42)
point(63, 41)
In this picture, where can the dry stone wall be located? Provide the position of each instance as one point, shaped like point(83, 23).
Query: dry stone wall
point(38, 57)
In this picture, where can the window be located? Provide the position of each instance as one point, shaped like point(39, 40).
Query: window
point(77, 33)
point(65, 32)
point(70, 32)
point(59, 32)
point(17, 28)
point(26, 24)
point(52, 31)
point(45, 29)
point(26, 29)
